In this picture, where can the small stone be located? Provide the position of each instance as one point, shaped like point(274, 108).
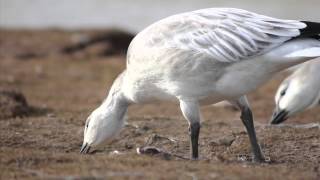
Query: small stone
point(116, 152)
point(51, 115)
point(225, 141)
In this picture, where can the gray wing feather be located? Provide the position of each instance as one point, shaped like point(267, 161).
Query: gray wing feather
point(227, 35)
point(231, 35)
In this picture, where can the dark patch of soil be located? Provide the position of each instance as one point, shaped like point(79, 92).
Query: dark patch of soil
point(79, 44)
point(111, 42)
point(12, 104)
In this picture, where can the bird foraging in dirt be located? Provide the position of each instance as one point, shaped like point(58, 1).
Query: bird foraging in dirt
point(201, 58)
point(300, 91)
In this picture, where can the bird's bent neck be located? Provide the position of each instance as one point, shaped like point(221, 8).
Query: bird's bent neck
point(116, 104)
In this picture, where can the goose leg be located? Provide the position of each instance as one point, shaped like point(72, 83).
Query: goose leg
point(194, 131)
point(190, 110)
point(247, 120)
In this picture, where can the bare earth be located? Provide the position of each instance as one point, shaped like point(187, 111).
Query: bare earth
point(63, 89)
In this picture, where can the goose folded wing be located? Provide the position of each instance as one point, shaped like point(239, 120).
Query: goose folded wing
point(230, 35)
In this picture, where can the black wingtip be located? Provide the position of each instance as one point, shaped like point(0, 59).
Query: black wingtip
point(312, 30)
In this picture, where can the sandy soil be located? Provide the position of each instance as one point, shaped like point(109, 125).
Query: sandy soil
point(63, 89)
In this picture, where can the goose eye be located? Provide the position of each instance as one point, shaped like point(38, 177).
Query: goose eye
point(87, 123)
point(283, 93)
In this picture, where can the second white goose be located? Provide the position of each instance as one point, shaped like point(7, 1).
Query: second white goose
point(298, 92)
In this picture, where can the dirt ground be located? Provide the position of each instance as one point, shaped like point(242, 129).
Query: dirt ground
point(61, 90)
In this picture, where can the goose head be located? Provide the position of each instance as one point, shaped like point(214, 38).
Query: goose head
point(105, 122)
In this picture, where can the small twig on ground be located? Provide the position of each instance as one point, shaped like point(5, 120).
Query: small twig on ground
point(156, 136)
point(150, 150)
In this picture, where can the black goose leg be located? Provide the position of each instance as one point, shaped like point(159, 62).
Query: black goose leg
point(194, 130)
point(247, 120)
point(190, 110)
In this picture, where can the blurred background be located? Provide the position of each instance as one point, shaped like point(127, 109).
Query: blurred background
point(58, 59)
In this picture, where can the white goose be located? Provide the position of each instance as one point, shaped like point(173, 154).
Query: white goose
point(299, 91)
point(202, 57)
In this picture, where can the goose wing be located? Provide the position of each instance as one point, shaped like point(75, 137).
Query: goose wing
point(227, 35)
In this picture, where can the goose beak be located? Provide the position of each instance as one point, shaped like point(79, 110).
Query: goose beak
point(279, 116)
point(85, 148)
